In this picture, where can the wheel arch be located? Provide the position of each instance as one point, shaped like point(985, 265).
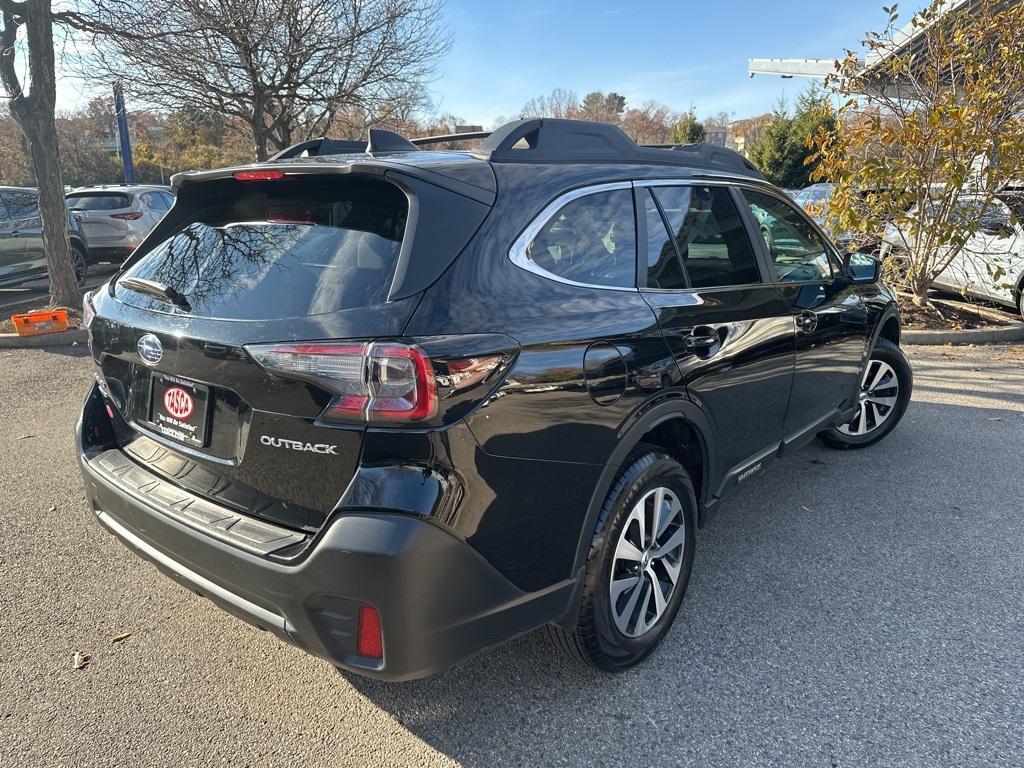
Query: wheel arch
point(889, 326)
point(682, 429)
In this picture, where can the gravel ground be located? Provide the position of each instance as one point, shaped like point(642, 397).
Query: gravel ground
point(849, 609)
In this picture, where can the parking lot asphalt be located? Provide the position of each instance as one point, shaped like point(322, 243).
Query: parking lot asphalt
point(860, 608)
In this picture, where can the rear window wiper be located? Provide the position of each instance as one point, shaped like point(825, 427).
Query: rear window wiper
point(157, 291)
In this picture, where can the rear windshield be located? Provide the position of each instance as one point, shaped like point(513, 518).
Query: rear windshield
point(281, 249)
point(98, 201)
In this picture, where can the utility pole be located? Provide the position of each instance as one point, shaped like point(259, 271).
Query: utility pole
point(124, 142)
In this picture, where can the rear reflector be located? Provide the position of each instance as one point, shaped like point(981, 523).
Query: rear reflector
point(370, 642)
point(372, 382)
point(127, 216)
point(268, 175)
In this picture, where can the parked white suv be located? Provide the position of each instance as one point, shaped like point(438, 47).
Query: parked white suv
point(991, 264)
point(116, 219)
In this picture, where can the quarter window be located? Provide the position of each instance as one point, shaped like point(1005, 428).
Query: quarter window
point(709, 236)
point(797, 251)
point(590, 240)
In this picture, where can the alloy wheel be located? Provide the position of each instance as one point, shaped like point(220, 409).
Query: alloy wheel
point(879, 394)
point(647, 561)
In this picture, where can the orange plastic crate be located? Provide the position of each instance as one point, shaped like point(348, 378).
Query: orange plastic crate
point(32, 323)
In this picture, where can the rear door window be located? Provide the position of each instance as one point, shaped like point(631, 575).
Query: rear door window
point(98, 201)
point(281, 249)
point(709, 236)
point(664, 268)
point(591, 240)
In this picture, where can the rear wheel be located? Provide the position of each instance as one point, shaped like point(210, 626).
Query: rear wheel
point(639, 564)
point(884, 394)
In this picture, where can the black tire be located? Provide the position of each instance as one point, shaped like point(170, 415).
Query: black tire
point(80, 265)
point(596, 639)
point(890, 354)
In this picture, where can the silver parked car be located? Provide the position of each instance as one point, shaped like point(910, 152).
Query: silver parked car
point(116, 219)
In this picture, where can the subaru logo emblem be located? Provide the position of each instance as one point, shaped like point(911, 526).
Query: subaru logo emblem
point(150, 349)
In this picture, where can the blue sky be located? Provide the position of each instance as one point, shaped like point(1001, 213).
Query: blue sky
point(679, 53)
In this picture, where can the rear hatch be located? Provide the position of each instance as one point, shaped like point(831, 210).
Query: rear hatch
point(104, 216)
point(242, 267)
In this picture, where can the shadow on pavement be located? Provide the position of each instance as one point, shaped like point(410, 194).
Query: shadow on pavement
point(851, 608)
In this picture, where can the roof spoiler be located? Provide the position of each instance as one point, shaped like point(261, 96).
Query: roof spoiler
point(543, 140)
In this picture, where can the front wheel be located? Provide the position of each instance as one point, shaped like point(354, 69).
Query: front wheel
point(884, 395)
point(79, 264)
point(639, 564)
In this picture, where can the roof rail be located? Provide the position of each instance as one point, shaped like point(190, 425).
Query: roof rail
point(544, 140)
point(321, 146)
point(550, 140)
point(444, 139)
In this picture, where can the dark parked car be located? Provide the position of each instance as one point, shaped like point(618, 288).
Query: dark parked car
point(399, 406)
point(22, 256)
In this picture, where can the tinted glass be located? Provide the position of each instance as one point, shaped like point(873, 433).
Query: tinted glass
point(3, 209)
point(663, 269)
point(282, 249)
point(996, 216)
point(591, 240)
point(21, 205)
point(166, 199)
point(155, 201)
point(710, 236)
point(98, 201)
point(798, 253)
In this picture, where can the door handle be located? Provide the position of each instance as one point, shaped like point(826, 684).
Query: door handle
point(16, 233)
point(702, 341)
point(806, 321)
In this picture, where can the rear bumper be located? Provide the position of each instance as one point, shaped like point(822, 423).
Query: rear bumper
point(438, 599)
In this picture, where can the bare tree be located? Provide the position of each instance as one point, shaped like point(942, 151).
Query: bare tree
point(33, 109)
point(285, 67)
point(650, 123)
point(561, 103)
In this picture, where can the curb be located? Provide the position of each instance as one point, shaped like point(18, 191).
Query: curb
point(43, 340)
point(1014, 332)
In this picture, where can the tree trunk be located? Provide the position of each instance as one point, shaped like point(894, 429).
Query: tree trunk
point(64, 290)
point(35, 114)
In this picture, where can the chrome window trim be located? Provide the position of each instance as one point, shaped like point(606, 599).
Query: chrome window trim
point(519, 252)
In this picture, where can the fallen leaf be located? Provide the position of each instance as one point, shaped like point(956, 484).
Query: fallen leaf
point(81, 661)
point(25, 437)
point(121, 637)
point(819, 462)
point(53, 508)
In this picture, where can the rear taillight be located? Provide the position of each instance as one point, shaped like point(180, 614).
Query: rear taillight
point(88, 311)
point(375, 382)
point(369, 639)
point(127, 216)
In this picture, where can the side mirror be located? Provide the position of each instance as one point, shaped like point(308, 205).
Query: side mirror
point(862, 268)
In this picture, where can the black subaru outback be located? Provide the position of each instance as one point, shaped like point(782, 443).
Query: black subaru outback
point(399, 405)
